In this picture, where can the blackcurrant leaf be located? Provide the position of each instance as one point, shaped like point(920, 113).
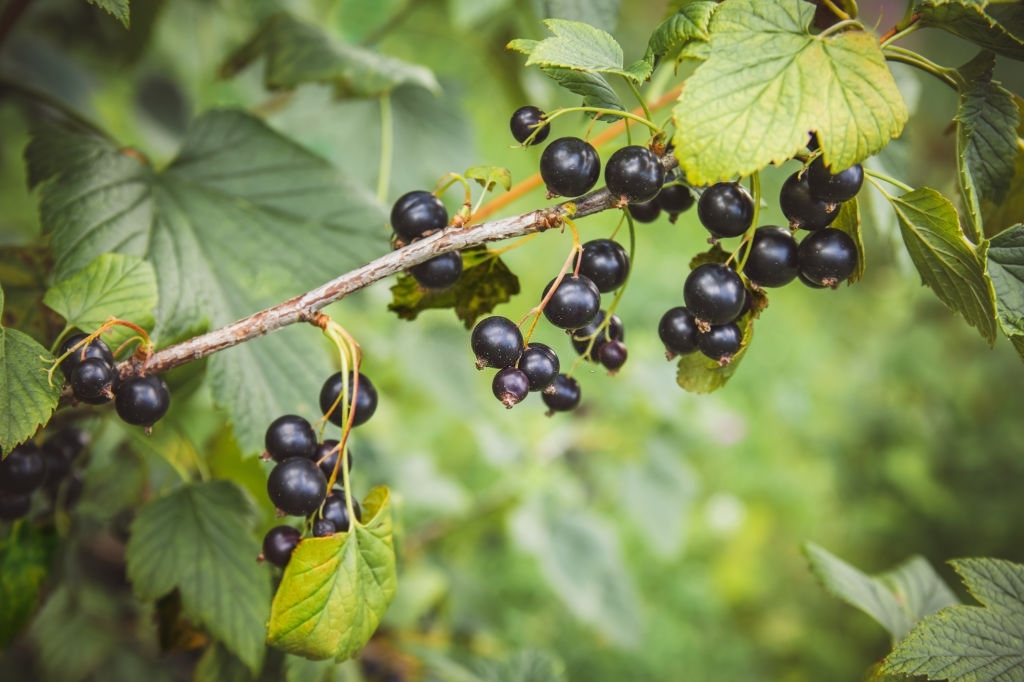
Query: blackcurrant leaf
point(490, 176)
point(581, 47)
point(297, 53)
point(1006, 269)
point(996, 217)
point(24, 272)
point(593, 87)
point(604, 14)
point(220, 665)
point(117, 8)
point(993, 25)
point(681, 30)
point(335, 590)
point(848, 220)
point(198, 540)
point(697, 373)
point(753, 101)
point(81, 614)
point(716, 254)
point(24, 565)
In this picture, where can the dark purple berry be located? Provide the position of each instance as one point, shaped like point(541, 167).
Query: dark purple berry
point(678, 331)
point(496, 342)
point(772, 261)
point(323, 528)
point(634, 173)
point(524, 122)
point(335, 511)
point(327, 454)
point(14, 506)
point(540, 365)
point(588, 337)
point(562, 395)
point(574, 302)
point(94, 349)
point(440, 272)
point(839, 187)
point(675, 198)
point(804, 210)
point(726, 209)
point(290, 436)
point(814, 285)
point(569, 167)
point(714, 293)
point(612, 355)
point(720, 342)
point(92, 381)
point(279, 543)
point(417, 213)
point(605, 263)
point(644, 212)
point(23, 470)
point(142, 400)
point(366, 398)
point(296, 486)
point(510, 386)
point(827, 257)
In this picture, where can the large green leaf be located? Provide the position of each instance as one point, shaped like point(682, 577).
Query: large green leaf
point(971, 643)
point(27, 397)
point(996, 25)
point(297, 53)
point(769, 80)
point(118, 8)
point(24, 564)
point(1006, 270)
point(198, 540)
point(336, 589)
point(999, 216)
point(580, 47)
point(81, 616)
point(241, 219)
point(592, 87)
point(945, 260)
point(682, 28)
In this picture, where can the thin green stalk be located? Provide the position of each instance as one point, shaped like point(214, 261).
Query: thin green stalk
point(899, 54)
point(874, 176)
point(606, 112)
point(387, 140)
point(639, 98)
point(841, 26)
point(755, 190)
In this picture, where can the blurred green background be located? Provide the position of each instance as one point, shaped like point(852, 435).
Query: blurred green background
point(652, 534)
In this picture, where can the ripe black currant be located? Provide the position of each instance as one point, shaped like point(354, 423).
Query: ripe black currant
point(634, 173)
point(720, 342)
point(569, 167)
point(678, 331)
point(612, 355)
point(92, 381)
point(416, 213)
point(496, 342)
point(14, 506)
point(290, 436)
point(296, 486)
point(574, 302)
point(94, 349)
point(334, 510)
point(605, 263)
point(279, 543)
point(540, 365)
point(562, 395)
point(23, 470)
point(827, 257)
point(142, 400)
point(366, 398)
point(524, 121)
point(726, 209)
point(644, 212)
point(674, 198)
point(588, 337)
point(804, 210)
point(841, 186)
point(510, 385)
point(323, 528)
point(440, 272)
point(327, 454)
point(772, 261)
point(714, 294)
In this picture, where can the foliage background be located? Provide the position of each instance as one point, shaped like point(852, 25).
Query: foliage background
point(651, 535)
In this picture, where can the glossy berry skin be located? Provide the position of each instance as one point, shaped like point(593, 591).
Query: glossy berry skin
point(496, 342)
point(323, 528)
point(440, 272)
point(675, 198)
point(827, 257)
point(540, 364)
point(644, 212)
point(510, 386)
point(366, 399)
point(605, 263)
point(678, 331)
point(92, 381)
point(612, 355)
point(772, 261)
point(726, 209)
point(14, 506)
point(562, 395)
point(569, 167)
point(416, 213)
point(23, 470)
point(581, 338)
point(574, 302)
point(714, 293)
point(279, 543)
point(296, 486)
point(804, 210)
point(524, 121)
point(634, 173)
point(334, 510)
point(721, 342)
point(327, 458)
point(142, 400)
point(94, 349)
point(290, 436)
point(842, 186)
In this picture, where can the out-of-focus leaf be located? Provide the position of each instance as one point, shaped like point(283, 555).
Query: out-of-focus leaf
point(220, 665)
point(490, 177)
point(117, 8)
point(529, 665)
point(602, 14)
point(24, 564)
point(580, 47)
point(992, 24)
point(23, 272)
point(82, 616)
point(1006, 270)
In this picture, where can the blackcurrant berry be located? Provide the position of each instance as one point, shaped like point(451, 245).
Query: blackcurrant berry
point(290, 436)
point(366, 398)
point(524, 122)
point(323, 528)
point(14, 506)
point(327, 454)
point(726, 209)
point(296, 486)
point(440, 272)
point(142, 400)
point(279, 543)
point(574, 302)
point(510, 386)
point(678, 331)
point(605, 263)
point(612, 355)
point(588, 337)
point(674, 198)
point(812, 284)
point(827, 257)
point(23, 470)
point(841, 186)
point(634, 173)
point(644, 212)
point(562, 395)
point(720, 342)
point(804, 210)
point(540, 365)
point(569, 167)
point(92, 381)
point(496, 342)
point(334, 510)
point(714, 293)
point(416, 213)
point(772, 261)
point(94, 349)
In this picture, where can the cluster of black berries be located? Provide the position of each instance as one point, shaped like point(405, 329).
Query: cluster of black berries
point(300, 482)
point(47, 467)
point(417, 214)
point(92, 374)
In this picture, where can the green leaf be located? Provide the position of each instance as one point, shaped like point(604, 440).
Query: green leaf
point(697, 373)
point(682, 29)
point(997, 216)
point(896, 599)
point(991, 24)
point(1006, 270)
point(117, 8)
point(197, 539)
point(580, 47)
point(236, 192)
point(24, 564)
point(769, 80)
point(112, 285)
point(220, 665)
point(529, 665)
point(971, 643)
point(335, 590)
point(84, 617)
point(592, 87)
point(490, 176)
point(604, 14)
point(945, 260)
point(297, 53)
point(485, 283)
point(848, 220)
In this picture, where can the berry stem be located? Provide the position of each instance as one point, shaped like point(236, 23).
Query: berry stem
point(626, 115)
point(874, 175)
point(748, 236)
point(643, 102)
point(539, 309)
